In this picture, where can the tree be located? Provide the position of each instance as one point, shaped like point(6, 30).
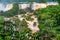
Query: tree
point(48, 18)
point(22, 11)
point(43, 1)
point(11, 12)
point(58, 1)
point(1, 38)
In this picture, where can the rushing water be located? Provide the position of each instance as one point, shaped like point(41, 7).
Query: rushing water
point(2, 6)
point(3, 2)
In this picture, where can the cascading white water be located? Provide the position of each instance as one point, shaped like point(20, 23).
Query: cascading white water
point(5, 7)
point(2, 6)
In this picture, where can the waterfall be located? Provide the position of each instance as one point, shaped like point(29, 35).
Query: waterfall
point(2, 6)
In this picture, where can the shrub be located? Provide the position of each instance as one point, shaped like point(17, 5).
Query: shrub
point(22, 11)
point(29, 18)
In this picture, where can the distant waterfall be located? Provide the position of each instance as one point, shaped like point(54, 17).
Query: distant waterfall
point(2, 6)
point(5, 7)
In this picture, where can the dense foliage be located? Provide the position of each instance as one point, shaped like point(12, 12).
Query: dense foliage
point(49, 18)
point(14, 29)
point(58, 1)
